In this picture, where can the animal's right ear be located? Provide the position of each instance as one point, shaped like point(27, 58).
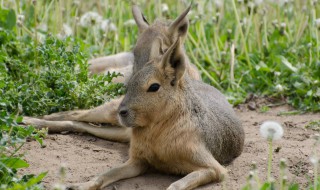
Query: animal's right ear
point(179, 27)
point(174, 62)
point(141, 21)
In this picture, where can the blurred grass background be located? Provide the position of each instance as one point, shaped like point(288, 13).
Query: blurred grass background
point(242, 47)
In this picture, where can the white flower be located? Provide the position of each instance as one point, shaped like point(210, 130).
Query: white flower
point(277, 73)
point(104, 25)
point(279, 88)
point(42, 27)
point(129, 22)
point(65, 32)
point(283, 24)
point(113, 27)
point(21, 18)
point(218, 3)
point(317, 22)
point(41, 37)
point(271, 130)
point(258, 2)
point(76, 2)
point(107, 25)
point(280, 2)
point(59, 186)
point(314, 160)
point(164, 7)
point(90, 19)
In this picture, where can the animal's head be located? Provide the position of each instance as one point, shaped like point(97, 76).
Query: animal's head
point(155, 39)
point(154, 90)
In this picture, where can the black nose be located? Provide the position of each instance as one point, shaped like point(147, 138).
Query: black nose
point(123, 113)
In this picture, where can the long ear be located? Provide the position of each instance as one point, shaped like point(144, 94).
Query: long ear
point(174, 63)
point(179, 27)
point(139, 18)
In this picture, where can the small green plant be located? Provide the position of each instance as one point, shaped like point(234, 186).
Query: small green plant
point(264, 109)
point(12, 138)
point(314, 125)
point(58, 81)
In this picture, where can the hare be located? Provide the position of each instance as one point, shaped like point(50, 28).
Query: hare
point(153, 40)
point(179, 125)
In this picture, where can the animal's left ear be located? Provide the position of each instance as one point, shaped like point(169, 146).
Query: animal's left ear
point(139, 18)
point(179, 27)
point(174, 62)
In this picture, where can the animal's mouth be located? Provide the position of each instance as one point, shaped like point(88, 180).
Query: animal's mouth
point(131, 126)
point(124, 122)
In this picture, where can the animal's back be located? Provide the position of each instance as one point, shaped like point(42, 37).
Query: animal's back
point(219, 126)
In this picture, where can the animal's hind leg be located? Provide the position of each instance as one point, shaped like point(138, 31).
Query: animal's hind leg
point(106, 113)
point(112, 62)
point(119, 134)
point(205, 169)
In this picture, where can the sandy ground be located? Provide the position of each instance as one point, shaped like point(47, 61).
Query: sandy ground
point(85, 155)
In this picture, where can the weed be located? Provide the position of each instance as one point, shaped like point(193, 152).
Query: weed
point(12, 138)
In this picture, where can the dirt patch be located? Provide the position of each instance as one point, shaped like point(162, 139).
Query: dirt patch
point(85, 155)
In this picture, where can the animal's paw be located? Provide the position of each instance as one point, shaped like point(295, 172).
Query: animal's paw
point(223, 174)
point(174, 187)
point(82, 186)
point(30, 121)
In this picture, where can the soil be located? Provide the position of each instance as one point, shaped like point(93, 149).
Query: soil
point(84, 156)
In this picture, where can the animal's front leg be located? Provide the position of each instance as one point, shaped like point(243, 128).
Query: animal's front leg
point(119, 134)
point(129, 169)
point(106, 113)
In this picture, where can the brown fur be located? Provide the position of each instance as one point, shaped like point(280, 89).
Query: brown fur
point(186, 127)
point(152, 41)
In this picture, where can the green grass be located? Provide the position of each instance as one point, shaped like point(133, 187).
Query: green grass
point(241, 48)
point(275, 45)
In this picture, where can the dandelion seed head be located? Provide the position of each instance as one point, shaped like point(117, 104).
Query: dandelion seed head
point(65, 32)
point(314, 160)
point(59, 186)
point(283, 163)
point(218, 3)
point(271, 130)
point(90, 19)
point(19, 23)
point(280, 2)
point(113, 27)
point(317, 22)
point(104, 25)
point(279, 88)
point(129, 22)
point(277, 73)
point(258, 2)
point(76, 2)
point(164, 7)
point(251, 174)
point(251, 5)
point(21, 17)
point(43, 27)
point(41, 37)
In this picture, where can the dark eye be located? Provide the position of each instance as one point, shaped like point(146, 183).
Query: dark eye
point(154, 87)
